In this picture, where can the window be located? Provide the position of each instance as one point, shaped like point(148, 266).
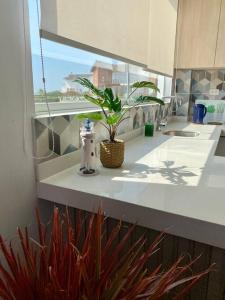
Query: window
point(64, 64)
point(137, 73)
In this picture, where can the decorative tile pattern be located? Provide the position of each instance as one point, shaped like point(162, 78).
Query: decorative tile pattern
point(183, 79)
point(182, 87)
point(194, 85)
point(66, 130)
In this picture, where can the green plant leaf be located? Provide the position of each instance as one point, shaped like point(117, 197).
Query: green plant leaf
point(108, 98)
point(89, 85)
point(108, 93)
point(113, 119)
point(92, 99)
point(144, 99)
point(98, 101)
point(117, 105)
point(145, 84)
point(91, 116)
point(114, 103)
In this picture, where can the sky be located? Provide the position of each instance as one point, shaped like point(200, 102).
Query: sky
point(59, 60)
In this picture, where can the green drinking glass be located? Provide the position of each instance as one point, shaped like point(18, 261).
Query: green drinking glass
point(149, 129)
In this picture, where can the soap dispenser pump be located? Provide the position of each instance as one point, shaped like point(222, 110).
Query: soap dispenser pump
point(88, 150)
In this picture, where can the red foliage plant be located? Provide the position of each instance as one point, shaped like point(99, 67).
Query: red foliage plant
point(67, 264)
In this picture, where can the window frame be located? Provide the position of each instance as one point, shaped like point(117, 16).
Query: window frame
point(60, 107)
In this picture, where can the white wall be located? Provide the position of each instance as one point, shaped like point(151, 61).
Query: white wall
point(17, 181)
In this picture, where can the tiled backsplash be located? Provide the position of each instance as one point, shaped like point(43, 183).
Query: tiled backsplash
point(66, 130)
point(204, 81)
point(198, 84)
point(190, 85)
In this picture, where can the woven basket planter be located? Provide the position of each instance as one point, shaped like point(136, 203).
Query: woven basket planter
point(112, 154)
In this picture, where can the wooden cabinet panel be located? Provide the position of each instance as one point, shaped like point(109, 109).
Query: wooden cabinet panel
point(162, 35)
point(197, 30)
point(220, 50)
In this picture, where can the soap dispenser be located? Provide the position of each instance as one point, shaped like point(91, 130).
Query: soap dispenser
point(88, 149)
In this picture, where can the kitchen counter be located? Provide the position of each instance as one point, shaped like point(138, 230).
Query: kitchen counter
point(175, 184)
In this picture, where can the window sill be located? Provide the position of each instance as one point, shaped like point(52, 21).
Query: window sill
point(59, 109)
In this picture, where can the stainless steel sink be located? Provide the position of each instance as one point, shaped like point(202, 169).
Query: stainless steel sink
point(181, 133)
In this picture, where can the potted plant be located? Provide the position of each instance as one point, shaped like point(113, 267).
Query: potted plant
point(113, 114)
point(69, 262)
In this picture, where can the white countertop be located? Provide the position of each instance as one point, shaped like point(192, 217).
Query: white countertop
point(166, 183)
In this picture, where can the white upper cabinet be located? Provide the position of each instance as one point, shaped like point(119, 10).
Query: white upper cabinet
point(220, 49)
point(162, 35)
point(197, 30)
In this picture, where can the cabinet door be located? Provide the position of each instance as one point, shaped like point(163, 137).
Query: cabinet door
point(162, 35)
point(197, 29)
point(220, 50)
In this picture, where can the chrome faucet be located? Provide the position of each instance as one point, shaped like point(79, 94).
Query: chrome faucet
point(174, 103)
point(161, 120)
